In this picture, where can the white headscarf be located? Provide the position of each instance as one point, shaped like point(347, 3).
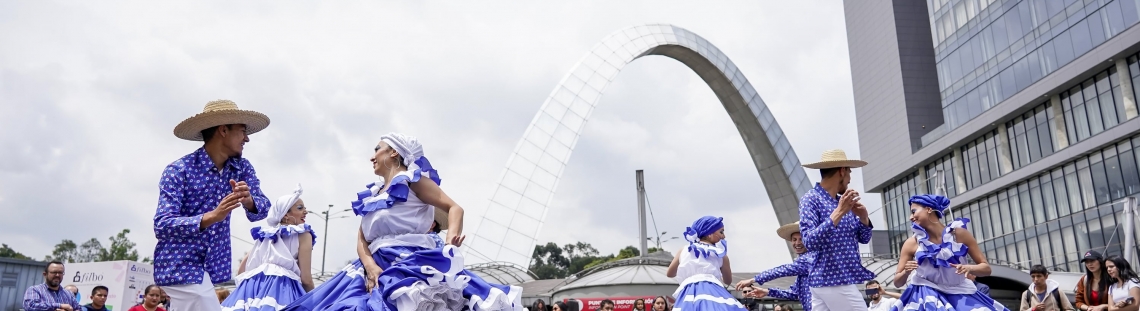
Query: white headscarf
point(407, 146)
point(282, 206)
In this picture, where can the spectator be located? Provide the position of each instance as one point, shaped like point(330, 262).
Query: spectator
point(1043, 294)
point(539, 305)
point(98, 299)
point(152, 300)
point(559, 306)
point(606, 305)
point(783, 307)
point(982, 288)
point(49, 296)
point(74, 291)
point(639, 305)
point(1092, 289)
point(222, 294)
point(878, 302)
point(660, 304)
point(1123, 291)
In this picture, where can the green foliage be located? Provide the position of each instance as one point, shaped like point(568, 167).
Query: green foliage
point(121, 248)
point(550, 261)
point(7, 252)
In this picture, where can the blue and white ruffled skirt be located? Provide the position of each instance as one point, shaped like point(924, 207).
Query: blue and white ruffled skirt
point(414, 278)
point(263, 293)
point(705, 292)
point(926, 298)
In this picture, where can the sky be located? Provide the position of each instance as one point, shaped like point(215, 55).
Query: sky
point(90, 94)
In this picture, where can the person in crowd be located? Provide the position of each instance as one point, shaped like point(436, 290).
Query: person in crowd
point(559, 306)
point(50, 296)
point(437, 226)
point(936, 255)
point(1043, 294)
point(397, 254)
point(165, 300)
point(798, 268)
point(785, 307)
point(1124, 290)
point(277, 270)
point(660, 303)
point(982, 288)
point(639, 305)
point(876, 292)
point(152, 301)
point(703, 268)
point(1092, 289)
point(98, 299)
point(539, 305)
point(222, 294)
point(196, 195)
point(834, 223)
point(74, 291)
point(606, 305)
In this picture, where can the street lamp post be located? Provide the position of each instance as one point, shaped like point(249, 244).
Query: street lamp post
point(325, 246)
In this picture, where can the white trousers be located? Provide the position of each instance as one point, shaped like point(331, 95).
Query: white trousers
point(837, 298)
point(194, 297)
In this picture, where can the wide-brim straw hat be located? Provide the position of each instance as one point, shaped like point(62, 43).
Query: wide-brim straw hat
point(441, 218)
point(785, 232)
point(217, 113)
point(835, 158)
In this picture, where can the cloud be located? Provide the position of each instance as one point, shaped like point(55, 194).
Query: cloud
point(89, 94)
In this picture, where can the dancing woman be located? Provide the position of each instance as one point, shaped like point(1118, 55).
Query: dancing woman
point(400, 267)
point(938, 262)
point(276, 271)
point(703, 269)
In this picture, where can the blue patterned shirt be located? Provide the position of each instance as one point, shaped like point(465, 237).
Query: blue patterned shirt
point(799, 269)
point(41, 298)
point(836, 247)
point(190, 187)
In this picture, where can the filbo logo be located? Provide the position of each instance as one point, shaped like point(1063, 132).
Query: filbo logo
point(81, 277)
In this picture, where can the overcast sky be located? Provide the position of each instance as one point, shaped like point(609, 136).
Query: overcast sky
point(90, 94)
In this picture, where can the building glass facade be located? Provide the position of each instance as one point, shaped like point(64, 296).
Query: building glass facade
point(989, 50)
point(1057, 213)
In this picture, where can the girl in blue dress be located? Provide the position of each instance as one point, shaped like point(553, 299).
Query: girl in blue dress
point(400, 267)
point(935, 264)
point(703, 269)
point(276, 271)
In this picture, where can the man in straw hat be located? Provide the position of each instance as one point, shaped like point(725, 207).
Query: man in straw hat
point(196, 195)
point(833, 224)
point(798, 268)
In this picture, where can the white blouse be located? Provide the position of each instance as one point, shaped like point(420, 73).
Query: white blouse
point(1120, 292)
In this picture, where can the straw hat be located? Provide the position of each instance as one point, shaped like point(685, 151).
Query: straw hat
point(441, 218)
point(220, 112)
point(835, 158)
point(785, 232)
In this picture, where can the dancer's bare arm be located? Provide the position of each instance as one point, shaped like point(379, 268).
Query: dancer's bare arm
point(305, 259)
point(430, 193)
point(980, 267)
point(906, 262)
point(672, 271)
point(726, 271)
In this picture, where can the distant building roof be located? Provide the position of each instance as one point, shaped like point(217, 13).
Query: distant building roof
point(502, 273)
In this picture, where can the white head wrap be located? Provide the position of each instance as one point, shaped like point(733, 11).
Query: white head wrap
point(407, 146)
point(282, 206)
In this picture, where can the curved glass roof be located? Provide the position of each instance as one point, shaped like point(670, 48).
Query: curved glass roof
point(501, 273)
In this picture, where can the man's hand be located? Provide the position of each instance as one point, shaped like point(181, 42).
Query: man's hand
point(227, 205)
point(241, 189)
point(66, 307)
point(745, 283)
point(846, 202)
point(861, 212)
point(757, 292)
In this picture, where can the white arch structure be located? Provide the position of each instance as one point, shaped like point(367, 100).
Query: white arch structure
point(519, 203)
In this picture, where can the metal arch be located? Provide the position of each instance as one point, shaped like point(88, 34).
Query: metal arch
point(519, 204)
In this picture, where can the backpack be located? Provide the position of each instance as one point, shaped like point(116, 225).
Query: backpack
point(1056, 297)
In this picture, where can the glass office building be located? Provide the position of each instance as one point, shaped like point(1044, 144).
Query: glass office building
point(1023, 112)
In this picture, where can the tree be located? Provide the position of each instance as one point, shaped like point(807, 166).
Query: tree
point(548, 262)
point(65, 251)
point(121, 248)
point(7, 252)
point(89, 251)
